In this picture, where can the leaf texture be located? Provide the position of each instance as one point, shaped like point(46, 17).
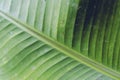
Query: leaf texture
point(90, 27)
point(24, 57)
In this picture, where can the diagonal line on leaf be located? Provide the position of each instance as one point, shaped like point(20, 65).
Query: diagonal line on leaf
point(71, 53)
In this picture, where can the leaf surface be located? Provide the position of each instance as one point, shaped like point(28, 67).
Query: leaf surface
point(58, 39)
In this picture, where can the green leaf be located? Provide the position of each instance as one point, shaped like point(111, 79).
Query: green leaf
point(59, 40)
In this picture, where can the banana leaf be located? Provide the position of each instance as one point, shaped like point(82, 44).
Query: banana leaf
point(59, 40)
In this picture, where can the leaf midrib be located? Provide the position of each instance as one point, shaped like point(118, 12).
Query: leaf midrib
point(62, 48)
